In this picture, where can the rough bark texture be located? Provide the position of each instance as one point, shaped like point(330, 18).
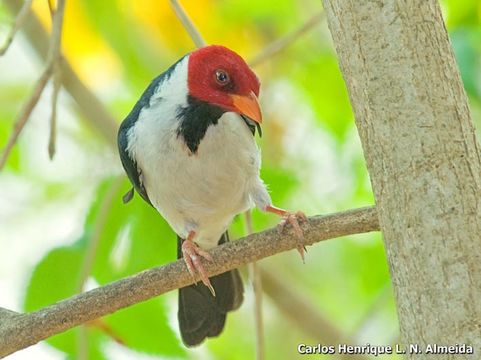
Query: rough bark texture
point(423, 158)
point(17, 331)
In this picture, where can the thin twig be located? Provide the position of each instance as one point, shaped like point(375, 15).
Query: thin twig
point(25, 114)
point(94, 112)
point(51, 7)
point(82, 343)
point(86, 269)
point(52, 57)
point(56, 37)
point(83, 96)
point(19, 20)
point(188, 24)
point(93, 242)
point(100, 324)
point(28, 329)
point(257, 286)
point(283, 42)
point(52, 137)
point(55, 58)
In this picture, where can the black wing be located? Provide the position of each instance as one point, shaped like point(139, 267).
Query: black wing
point(130, 165)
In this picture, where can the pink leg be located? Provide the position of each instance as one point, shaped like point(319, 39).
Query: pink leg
point(293, 219)
point(191, 254)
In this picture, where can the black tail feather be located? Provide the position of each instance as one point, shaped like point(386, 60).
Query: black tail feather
point(202, 315)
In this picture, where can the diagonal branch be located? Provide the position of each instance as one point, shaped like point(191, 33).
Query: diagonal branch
point(86, 269)
point(283, 42)
point(94, 239)
point(21, 331)
point(55, 57)
point(188, 24)
point(51, 67)
point(6, 314)
point(25, 114)
point(19, 20)
point(95, 113)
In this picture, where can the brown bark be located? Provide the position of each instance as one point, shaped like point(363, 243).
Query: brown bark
point(423, 158)
point(18, 331)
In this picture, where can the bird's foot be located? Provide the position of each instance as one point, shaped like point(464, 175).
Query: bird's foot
point(293, 219)
point(191, 254)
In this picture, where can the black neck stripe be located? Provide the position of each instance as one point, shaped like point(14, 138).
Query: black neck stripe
point(195, 119)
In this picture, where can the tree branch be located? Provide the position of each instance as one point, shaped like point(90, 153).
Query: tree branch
point(55, 56)
point(52, 136)
point(7, 314)
point(280, 44)
point(51, 67)
point(22, 15)
point(25, 114)
point(401, 74)
point(255, 276)
point(66, 314)
point(188, 24)
point(89, 105)
point(94, 239)
point(21, 331)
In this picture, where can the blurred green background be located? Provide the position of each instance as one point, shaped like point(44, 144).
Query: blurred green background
point(53, 212)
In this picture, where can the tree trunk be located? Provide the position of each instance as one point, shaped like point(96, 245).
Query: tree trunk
point(423, 158)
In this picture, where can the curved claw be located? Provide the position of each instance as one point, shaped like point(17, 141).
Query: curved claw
point(302, 251)
point(192, 254)
point(294, 219)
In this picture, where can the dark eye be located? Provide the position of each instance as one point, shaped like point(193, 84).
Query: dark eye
point(222, 77)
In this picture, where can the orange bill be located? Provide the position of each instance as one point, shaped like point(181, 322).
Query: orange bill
point(248, 106)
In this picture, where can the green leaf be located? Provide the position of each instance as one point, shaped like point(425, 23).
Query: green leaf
point(137, 234)
point(116, 217)
point(136, 227)
point(152, 240)
point(144, 327)
point(53, 279)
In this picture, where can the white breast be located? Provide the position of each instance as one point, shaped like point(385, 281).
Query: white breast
point(201, 191)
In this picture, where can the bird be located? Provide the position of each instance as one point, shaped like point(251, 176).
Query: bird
point(188, 147)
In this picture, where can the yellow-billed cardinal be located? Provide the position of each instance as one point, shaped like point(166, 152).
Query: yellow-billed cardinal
point(188, 148)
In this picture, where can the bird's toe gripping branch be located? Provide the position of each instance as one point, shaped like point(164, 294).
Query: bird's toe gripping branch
point(192, 254)
point(293, 219)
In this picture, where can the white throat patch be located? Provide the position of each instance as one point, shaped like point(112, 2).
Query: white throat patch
point(174, 89)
